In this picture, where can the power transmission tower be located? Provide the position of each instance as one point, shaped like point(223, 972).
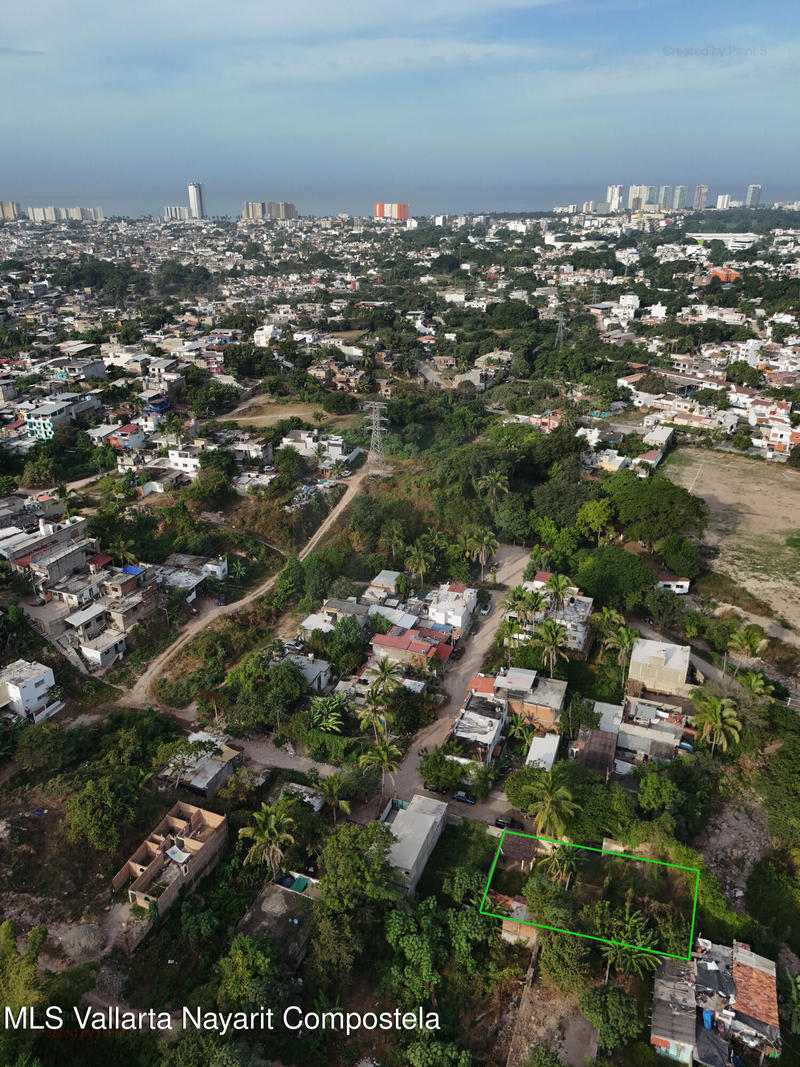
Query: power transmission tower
point(376, 417)
point(560, 333)
point(595, 295)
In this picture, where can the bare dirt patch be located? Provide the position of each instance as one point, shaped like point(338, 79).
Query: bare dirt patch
point(754, 507)
point(734, 841)
point(262, 413)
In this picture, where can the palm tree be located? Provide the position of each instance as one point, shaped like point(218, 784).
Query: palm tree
point(552, 806)
point(756, 684)
point(550, 637)
point(419, 560)
point(320, 454)
point(506, 637)
point(605, 622)
point(123, 550)
point(484, 545)
point(173, 427)
point(522, 731)
point(746, 641)
point(332, 788)
point(560, 864)
point(514, 600)
point(716, 717)
point(393, 539)
point(558, 587)
point(339, 468)
point(622, 641)
point(493, 483)
point(238, 569)
point(66, 497)
point(372, 714)
point(463, 545)
point(631, 934)
point(270, 835)
point(384, 755)
point(386, 676)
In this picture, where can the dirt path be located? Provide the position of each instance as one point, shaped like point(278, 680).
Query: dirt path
point(139, 695)
point(511, 562)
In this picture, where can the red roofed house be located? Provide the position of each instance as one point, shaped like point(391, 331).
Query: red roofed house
point(127, 437)
point(411, 647)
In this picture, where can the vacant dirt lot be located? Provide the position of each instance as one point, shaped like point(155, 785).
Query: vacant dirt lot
point(262, 413)
point(754, 507)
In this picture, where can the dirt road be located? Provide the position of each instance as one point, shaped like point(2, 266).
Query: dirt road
point(139, 695)
point(511, 562)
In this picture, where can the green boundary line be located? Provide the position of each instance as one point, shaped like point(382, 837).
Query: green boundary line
point(603, 852)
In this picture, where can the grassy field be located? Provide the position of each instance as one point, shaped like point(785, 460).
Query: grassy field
point(754, 521)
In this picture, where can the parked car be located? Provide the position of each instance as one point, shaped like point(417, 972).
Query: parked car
point(463, 798)
point(293, 646)
point(457, 653)
point(504, 822)
point(474, 629)
point(486, 609)
point(433, 789)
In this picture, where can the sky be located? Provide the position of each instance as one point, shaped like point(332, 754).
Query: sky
point(449, 105)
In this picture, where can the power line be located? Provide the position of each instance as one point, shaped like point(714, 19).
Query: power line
point(376, 418)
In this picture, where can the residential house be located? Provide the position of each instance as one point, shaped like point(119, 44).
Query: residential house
point(127, 437)
point(417, 828)
point(543, 752)
point(668, 580)
point(574, 614)
point(660, 667)
point(411, 647)
point(24, 690)
point(719, 1006)
point(452, 604)
point(209, 770)
point(317, 672)
point(182, 849)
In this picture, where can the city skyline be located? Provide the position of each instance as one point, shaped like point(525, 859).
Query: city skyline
point(515, 107)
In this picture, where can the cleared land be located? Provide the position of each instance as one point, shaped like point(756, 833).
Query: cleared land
point(754, 507)
point(263, 413)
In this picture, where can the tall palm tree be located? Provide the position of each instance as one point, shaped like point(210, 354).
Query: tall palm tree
point(716, 718)
point(172, 425)
point(484, 545)
point(339, 468)
point(320, 455)
point(514, 600)
point(393, 539)
point(506, 637)
point(385, 756)
point(550, 637)
point(557, 589)
point(66, 497)
point(604, 623)
point(464, 545)
point(372, 714)
point(419, 560)
point(552, 806)
point(756, 684)
point(622, 641)
point(123, 550)
point(269, 832)
point(332, 788)
point(386, 676)
point(493, 483)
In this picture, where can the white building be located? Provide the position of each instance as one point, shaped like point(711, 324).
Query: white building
point(417, 829)
point(185, 459)
point(452, 604)
point(543, 751)
point(24, 688)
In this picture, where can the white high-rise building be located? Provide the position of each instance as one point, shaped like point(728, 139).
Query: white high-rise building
point(665, 197)
point(637, 197)
point(723, 201)
point(679, 198)
point(196, 209)
point(9, 210)
point(177, 211)
point(614, 197)
point(254, 210)
point(700, 196)
point(753, 196)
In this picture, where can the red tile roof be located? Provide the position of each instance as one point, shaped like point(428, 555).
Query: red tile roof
point(481, 683)
point(756, 995)
point(543, 576)
point(100, 560)
point(457, 587)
